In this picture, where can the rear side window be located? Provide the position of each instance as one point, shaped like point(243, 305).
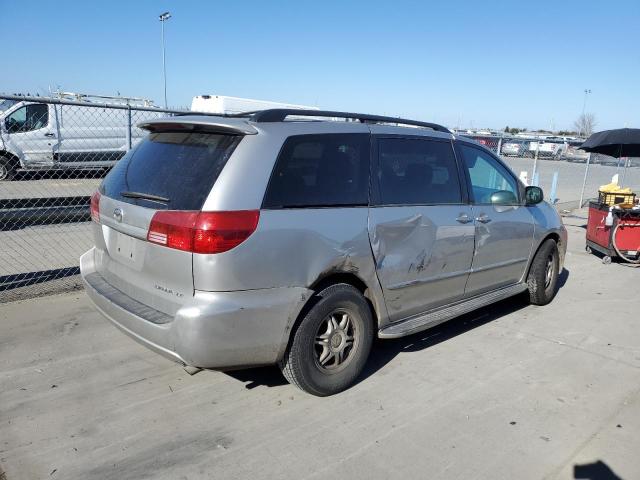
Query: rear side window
point(417, 172)
point(178, 167)
point(320, 171)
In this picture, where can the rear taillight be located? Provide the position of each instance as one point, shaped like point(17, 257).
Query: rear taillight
point(95, 207)
point(202, 232)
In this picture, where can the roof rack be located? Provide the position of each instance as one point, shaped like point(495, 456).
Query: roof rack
point(89, 97)
point(280, 114)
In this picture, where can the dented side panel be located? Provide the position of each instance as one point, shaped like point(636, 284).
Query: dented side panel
point(423, 255)
point(295, 248)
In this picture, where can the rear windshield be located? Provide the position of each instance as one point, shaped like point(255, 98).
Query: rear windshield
point(170, 170)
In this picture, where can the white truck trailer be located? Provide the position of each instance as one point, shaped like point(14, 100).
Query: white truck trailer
point(232, 105)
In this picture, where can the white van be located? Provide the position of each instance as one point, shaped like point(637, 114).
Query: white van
point(36, 134)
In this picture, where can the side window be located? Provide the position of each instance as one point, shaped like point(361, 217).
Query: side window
point(488, 177)
point(28, 118)
point(417, 172)
point(320, 171)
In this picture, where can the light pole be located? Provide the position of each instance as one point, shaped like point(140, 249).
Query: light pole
point(163, 18)
point(584, 106)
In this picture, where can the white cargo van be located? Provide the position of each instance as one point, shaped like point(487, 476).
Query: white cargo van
point(38, 134)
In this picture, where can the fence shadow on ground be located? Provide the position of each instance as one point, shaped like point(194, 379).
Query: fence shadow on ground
point(384, 351)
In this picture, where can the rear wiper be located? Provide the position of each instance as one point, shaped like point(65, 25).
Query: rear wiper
point(145, 196)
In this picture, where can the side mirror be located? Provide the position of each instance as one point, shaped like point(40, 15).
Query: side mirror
point(533, 195)
point(503, 197)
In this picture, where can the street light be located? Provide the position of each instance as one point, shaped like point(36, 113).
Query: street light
point(584, 106)
point(163, 18)
point(584, 103)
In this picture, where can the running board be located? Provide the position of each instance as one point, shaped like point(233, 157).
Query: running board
point(436, 317)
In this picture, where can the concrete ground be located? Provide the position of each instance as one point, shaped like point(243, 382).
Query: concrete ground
point(510, 391)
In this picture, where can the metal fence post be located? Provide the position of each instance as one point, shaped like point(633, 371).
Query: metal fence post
point(584, 181)
point(128, 127)
point(535, 160)
point(554, 188)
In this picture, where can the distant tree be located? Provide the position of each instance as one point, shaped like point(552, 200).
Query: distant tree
point(506, 129)
point(585, 124)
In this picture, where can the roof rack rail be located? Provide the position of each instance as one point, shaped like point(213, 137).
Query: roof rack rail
point(280, 114)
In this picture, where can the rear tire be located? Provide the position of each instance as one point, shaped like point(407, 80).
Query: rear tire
point(7, 168)
point(330, 346)
point(543, 274)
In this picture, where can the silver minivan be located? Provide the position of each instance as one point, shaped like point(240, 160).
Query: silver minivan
point(295, 237)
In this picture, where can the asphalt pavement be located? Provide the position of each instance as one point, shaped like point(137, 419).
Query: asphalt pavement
point(511, 391)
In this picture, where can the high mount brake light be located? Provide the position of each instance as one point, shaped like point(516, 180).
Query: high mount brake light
point(202, 232)
point(95, 207)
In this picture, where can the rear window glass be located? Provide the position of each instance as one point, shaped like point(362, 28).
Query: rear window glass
point(180, 167)
point(320, 171)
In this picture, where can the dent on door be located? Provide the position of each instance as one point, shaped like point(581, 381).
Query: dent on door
point(502, 247)
point(422, 256)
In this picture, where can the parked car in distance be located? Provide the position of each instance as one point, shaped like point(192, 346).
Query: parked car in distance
point(233, 242)
point(514, 147)
point(547, 148)
point(44, 135)
point(490, 142)
point(573, 153)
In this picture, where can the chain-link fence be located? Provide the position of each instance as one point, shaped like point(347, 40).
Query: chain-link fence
point(54, 153)
point(53, 156)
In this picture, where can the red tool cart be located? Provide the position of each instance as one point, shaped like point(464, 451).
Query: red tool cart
point(613, 228)
point(619, 239)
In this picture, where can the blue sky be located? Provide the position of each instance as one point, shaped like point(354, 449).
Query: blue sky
point(480, 64)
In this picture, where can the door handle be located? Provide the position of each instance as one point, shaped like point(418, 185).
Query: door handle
point(49, 134)
point(464, 218)
point(483, 219)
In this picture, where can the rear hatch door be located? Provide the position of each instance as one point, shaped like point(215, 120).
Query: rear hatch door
point(168, 170)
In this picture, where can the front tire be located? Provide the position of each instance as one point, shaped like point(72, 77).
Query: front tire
point(542, 281)
point(330, 346)
point(7, 169)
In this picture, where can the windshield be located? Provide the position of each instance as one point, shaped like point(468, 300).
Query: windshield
point(6, 104)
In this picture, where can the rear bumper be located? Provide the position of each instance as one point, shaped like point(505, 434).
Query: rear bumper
point(212, 329)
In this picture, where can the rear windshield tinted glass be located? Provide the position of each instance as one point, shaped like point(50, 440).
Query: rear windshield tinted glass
point(178, 166)
point(320, 171)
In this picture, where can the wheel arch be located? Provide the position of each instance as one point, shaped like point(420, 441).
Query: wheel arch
point(350, 278)
point(551, 235)
point(324, 281)
point(13, 160)
point(11, 156)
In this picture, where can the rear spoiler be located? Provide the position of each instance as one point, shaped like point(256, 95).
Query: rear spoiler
point(230, 126)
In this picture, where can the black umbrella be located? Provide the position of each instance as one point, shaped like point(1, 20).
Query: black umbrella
point(621, 142)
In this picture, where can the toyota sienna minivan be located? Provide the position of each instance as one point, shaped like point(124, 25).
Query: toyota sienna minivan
point(295, 237)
